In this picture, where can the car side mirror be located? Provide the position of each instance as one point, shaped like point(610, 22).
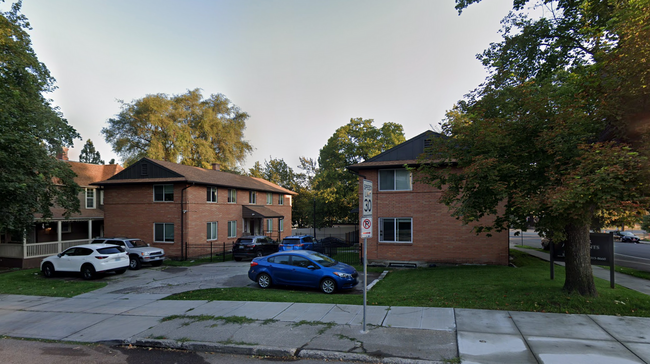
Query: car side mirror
point(59, 255)
point(312, 267)
point(148, 244)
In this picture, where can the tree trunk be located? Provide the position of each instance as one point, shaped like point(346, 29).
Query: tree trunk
point(579, 276)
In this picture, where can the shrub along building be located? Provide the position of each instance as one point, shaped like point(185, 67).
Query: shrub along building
point(410, 225)
point(183, 209)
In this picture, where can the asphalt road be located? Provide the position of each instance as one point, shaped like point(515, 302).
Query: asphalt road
point(628, 255)
point(16, 351)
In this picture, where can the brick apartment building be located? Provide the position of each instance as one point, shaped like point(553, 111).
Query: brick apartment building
point(52, 236)
point(410, 225)
point(182, 209)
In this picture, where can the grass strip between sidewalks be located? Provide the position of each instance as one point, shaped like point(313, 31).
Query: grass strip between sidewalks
point(526, 287)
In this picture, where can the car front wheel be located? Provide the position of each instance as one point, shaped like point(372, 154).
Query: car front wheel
point(48, 270)
point(88, 272)
point(134, 263)
point(328, 285)
point(264, 280)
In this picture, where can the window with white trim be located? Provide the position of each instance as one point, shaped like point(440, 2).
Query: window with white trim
point(281, 224)
point(269, 225)
point(232, 195)
point(163, 193)
point(395, 180)
point(211, 194)
point(280, 199)
point(90, 198)
point(212, 231)
point(232, 229)
point(396, 230)
point(252, 197)
point(269, 198)
point(163, 232)
point(101, 197)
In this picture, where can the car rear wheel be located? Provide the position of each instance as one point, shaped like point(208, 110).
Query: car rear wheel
point(48, 270)
point(264, 280)
point(134, 262)
point(328, 285)
point(88, 272)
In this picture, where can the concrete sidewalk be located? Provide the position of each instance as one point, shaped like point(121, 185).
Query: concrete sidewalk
point(394, 334)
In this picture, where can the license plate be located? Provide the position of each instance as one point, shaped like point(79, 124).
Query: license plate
point(118, 259)
point(241, 247)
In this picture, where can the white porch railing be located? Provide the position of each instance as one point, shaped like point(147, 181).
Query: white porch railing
point(24, 251)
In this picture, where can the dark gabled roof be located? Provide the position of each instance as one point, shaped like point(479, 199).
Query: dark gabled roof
point(148, 170)
point(399, 155)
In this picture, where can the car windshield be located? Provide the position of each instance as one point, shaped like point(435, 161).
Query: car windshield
point(323, 260)
point(137, 244)
point(290, 241)
point(244, 241)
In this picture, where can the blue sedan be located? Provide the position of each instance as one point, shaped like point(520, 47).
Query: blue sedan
point(304, 268)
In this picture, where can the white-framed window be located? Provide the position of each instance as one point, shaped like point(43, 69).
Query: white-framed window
point(90, 198)
point(232, 195)
point(101, 197)
point(290, 200)
point(280, 199)
point(212, 231)
point(269, 225)
point(163, 193)
point(281, 224)
point(252, 197)
point(211, 194)
point(163, 232)
point(395, 180)
point(232, 229)
point(396, 230)
point(269, 198)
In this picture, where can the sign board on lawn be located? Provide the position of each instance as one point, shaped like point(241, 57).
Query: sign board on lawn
point(366, 214)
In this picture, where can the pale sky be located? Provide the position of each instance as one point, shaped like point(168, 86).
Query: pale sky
point(300, 68)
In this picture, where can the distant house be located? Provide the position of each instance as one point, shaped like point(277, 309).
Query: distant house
point(409, 225)
point(49, 237)
point(182, 209)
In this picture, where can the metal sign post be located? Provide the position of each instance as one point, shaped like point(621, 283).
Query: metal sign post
point(366, 232)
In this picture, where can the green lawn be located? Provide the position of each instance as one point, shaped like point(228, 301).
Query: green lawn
point(32, 283)
point(525, 288)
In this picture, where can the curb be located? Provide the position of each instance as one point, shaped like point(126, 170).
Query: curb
point(260, 350)
point(381, 276)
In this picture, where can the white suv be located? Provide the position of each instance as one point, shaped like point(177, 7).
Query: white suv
point(88, 260)
point(139, 251)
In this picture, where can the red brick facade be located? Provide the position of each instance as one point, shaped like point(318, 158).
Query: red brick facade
point(436, 237)
point(130, 210)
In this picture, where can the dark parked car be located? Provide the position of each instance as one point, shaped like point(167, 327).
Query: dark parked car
point(303, 268)
point(297, 242)
point(628, 237)
point(253, 246)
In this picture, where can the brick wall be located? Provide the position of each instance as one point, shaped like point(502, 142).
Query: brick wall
point(129, 211)
point(437, 237)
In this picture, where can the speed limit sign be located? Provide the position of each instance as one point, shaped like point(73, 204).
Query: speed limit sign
point(367, 198)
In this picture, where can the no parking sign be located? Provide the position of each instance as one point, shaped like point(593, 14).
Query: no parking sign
point(366, 218)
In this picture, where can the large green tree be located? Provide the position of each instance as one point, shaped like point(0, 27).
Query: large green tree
point(32, 131)
point(89, 154)
point(336, 188)
point(553, 132)
point(184, 129)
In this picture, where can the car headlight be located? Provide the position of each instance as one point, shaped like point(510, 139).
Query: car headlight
point(343, 275)
point(144, 253)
